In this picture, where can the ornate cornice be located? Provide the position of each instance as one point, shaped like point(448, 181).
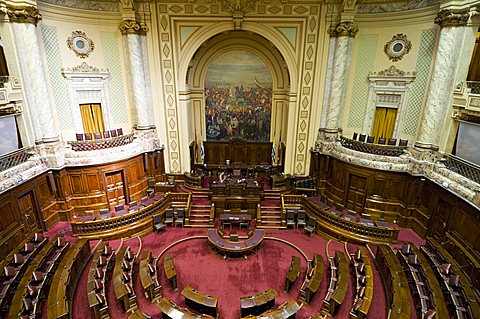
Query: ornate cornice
point(27, 14)
point(132, 27)
point(238, 6)
point(83, 68)
point(345, 29)
point(392, 71)
point(447, 18)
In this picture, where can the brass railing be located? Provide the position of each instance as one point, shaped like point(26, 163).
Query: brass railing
point(80, 146)
point(14, 158)
point(377, 149)
point(462, 167)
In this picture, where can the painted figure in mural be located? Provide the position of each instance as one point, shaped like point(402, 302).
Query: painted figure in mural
point(238, 98)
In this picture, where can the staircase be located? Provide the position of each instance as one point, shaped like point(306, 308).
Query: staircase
point(200, 207)
point(271, 210)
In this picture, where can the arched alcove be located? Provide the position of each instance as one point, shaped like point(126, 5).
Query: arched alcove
point(193, 98)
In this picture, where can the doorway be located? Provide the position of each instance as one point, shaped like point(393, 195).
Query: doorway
point(28, 207)
point(384, 123)
point(115, 183)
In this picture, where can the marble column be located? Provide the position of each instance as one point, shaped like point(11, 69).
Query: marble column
point(439, 97)
point(24, 22)
point(343, 33)
point(328, 79)
point(139, 76)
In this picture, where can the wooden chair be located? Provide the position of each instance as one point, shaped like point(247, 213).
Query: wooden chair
point(362, 137)
point(311, 225)
point(88, 136)
point(113, 133)
point(180, 217)
point(168, 217)
point(382, 140)
point(354, 137)
point(79, 136)
point(403, 142)
point(97, 135)
point(370, 139)
point(392, 141)
point(290, 218)
point(301, 219)
point(119, 208)
point(119, 131)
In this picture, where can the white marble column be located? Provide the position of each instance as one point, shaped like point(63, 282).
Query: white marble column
point(441, 86)
point(343, 32)
point(138, 73)
point(328, 79)
point(24, 22)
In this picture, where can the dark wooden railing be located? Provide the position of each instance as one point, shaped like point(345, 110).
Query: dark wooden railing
point(90, 145)
point(14, 158)
point(474, 87)
point(462, 167)
point(377, 149)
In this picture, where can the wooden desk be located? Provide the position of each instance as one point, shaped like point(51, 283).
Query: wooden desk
point(170, 271)
point(172, 311)
point(239, 248)
point(338, 295)
point(286, 311)
point(366, 300)
point(293, 273)
point(128, 300)
point(235, 219)
point(65, 278)
point(395, 280)
point(258, 303)
point(200, 302)
point(314, 278)
point(149, 281)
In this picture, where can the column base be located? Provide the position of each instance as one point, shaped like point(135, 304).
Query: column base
point(426, 146)
point(53, 139)
point(144, 127)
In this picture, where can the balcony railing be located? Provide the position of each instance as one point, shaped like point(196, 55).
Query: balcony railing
point(462, 167)
point(14, 158)
point(377, 149)
point(90, 145)
point(474, 87)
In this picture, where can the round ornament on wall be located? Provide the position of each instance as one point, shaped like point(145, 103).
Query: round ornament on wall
point(397, 47)
point(79, 43)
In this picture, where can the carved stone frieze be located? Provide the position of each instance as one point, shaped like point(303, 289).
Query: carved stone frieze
point(238, 6)
point(392, 71)
point(447, 18)
point(132, 26)
point(27, 14)
point(84, 68)
point(346, 29)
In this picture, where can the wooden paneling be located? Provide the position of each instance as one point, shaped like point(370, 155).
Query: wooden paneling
point(240, 153)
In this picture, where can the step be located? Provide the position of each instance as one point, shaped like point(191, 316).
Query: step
point(270, 227)
point(271, 218)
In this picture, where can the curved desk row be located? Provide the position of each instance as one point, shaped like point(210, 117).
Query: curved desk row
point(362, 271)
point(293, 273)
point(338, 283)
point(200, 302)
point(171, 311)
point(344, 226)
point(258, 303)
point(235, 248)
point(286, 311)
point(123, 278)
point(148, 276)
point(170, 271)
point(129, 224)
point(313, 278)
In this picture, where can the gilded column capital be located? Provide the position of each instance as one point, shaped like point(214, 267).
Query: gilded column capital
point(345, 29)
point(28, 14)
point(132, 27)
point(447, 18)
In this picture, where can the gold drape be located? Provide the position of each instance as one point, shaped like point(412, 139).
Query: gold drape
point(384, 123)
point(87, 118)
point(92, 118)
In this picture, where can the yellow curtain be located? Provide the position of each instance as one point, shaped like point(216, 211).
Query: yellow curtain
point(87, 118)
point(98, 118)
point(378, 122)
point(390, 123)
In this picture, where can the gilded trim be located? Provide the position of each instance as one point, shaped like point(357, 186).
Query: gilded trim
point(447, 18)
point(345, 29)
point(132, 27)
point(28, 14)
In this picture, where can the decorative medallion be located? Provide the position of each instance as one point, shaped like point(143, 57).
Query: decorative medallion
point(238, 6)
point(397, 47)
point(80, 44)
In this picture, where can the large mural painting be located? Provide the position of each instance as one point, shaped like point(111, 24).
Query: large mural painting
point(238, 93)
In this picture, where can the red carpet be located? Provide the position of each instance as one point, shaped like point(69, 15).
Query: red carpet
point(197, 265)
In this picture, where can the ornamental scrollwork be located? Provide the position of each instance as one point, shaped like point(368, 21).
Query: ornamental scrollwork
point(346, 29)
point(238, 6)
point(447, 18)
point(397, 47)
point(27, 14)
point(79, 43)
point(132, 26)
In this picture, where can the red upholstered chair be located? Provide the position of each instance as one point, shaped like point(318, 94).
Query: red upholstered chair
point(100, 299)
point(119, 131)
point(102, 261)
point(79, 136)
point(151, 268)
point(370, 139)
point(9, 271)
point(38, 237)
point(88, 136)
point(106, 134)
point(98, 273)
point(126, 277)
point(126, 265)
point(362, 137)
point(97, 135)
point(113, 133)
point(32, 291)
point(392, 141)
point(28, 304)
point(107, 250)
point(403, 142)
point(98, 284)
point(18, 259)
point(355, 134)
point(382, 140)
point(28, 248)
point(130, 290)
point(38, 276)
point(361, 292)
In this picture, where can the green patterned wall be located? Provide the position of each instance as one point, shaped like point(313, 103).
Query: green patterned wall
point(58, 82)
point(415, 100)
point(111, 53)
point(367, 51)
